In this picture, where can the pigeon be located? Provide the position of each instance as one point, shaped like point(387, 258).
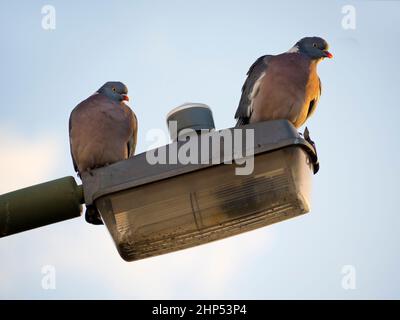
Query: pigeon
point(102, 131)
point(283, 86)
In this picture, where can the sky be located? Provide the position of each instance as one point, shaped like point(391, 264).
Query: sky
point(171, 52)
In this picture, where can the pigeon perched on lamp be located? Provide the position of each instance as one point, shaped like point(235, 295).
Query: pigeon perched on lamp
point(283, 86)
point(102, 130)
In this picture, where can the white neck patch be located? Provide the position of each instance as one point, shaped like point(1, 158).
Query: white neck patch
point(294, 49)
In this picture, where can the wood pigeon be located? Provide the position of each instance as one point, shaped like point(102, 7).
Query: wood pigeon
point(102, 130)
point(284, 86)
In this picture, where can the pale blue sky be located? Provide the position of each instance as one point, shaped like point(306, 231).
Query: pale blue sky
point(170, 52)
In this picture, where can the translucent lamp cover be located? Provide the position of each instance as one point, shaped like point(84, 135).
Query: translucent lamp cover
point(208, 204)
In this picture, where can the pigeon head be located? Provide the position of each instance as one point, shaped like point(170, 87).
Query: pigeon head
point(115, 90)
point(314, 47)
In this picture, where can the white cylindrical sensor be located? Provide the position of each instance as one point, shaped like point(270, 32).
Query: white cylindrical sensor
point(196, 116)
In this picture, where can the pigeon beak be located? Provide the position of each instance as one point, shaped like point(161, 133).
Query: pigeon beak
point(327, 54)
point(125, 97)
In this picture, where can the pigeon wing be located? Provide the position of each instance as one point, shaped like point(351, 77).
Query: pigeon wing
point(70, 145)
point(256, 71)
point(133, 139)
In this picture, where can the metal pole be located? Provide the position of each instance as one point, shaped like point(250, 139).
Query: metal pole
point(40, 205)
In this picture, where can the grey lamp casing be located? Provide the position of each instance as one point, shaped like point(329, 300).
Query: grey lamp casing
point(155, 209)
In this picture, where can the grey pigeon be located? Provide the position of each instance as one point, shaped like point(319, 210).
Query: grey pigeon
point(102, 130)
point(284, 86)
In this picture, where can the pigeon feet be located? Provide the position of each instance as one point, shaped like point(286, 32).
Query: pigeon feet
point(92, 216)
point(307, 137)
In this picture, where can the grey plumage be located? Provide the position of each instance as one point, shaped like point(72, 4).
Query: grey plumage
point(102, 129)
point(284, 86)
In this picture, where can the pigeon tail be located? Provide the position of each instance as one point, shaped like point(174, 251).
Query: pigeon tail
point(242, 122)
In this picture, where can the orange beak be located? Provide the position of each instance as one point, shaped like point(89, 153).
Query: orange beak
point(125, 97)
point(328, 54)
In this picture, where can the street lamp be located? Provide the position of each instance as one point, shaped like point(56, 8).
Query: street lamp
point(155, 208)
point(40, 205)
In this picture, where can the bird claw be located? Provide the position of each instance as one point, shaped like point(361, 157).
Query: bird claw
point(306, 134)
point(92, 216)
point(307, 137)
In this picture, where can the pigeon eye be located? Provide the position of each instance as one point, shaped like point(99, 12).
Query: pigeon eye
point(314, 45)
point(113, 89)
